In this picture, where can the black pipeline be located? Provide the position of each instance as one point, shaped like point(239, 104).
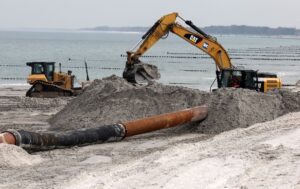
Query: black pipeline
point(46, 141)
point(32, 141)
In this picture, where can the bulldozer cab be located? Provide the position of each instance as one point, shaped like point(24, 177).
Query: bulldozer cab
point(45, 68)
point(238, 78)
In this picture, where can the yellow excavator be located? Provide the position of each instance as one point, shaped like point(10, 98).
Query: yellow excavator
point(227, 74)
point(46, 83)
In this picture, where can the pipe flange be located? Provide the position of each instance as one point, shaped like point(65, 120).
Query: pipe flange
point(16, 134)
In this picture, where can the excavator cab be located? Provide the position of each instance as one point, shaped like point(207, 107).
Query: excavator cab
point(248, 79)
point(238, 78)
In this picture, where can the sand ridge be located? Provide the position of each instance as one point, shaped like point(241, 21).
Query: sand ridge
point(113, 100)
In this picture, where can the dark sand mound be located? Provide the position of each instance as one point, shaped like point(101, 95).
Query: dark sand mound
point(233, 108)
point(113, 99)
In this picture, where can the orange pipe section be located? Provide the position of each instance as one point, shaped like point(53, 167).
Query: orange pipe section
point(162, 121)
point(7, 138)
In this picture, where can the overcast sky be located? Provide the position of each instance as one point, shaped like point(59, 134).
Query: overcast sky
point(90, 13)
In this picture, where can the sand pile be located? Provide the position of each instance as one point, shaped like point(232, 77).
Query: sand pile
point(113, 99)
point(13, 156)
point(233, 108)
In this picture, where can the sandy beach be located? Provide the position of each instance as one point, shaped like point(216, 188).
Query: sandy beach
point(149, 94)
point(264, 155)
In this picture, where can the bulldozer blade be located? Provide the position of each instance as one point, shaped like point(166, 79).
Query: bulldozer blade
point(141, 73)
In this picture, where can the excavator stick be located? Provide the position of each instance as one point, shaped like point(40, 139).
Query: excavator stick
point(137, 72)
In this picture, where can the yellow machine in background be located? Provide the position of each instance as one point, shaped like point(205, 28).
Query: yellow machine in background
point(48, 83)
point(227, 74)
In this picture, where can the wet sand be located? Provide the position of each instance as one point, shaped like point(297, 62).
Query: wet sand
point(20, 112)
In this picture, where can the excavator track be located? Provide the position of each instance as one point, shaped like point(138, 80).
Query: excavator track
point(42, 89)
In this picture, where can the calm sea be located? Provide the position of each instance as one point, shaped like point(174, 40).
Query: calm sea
point(179, 62)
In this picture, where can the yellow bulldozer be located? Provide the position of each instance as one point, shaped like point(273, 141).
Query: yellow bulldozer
point(47, 83)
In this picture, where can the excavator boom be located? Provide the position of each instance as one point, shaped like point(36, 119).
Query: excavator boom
point(138, 72)
point(207, 44)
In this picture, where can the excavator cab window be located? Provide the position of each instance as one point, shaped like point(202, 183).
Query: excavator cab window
point(230, 78)
point(237, 79)
point(223, 78)
point(250, 80)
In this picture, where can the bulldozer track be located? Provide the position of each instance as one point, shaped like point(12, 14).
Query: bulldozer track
point(49, 90)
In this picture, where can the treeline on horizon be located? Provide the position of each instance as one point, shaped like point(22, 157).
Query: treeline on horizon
point(223, 30)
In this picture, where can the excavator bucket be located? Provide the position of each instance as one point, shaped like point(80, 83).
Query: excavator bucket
point(141, 73)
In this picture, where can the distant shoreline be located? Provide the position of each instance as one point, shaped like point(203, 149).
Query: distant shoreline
point(221, 30)
point(142, 30)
